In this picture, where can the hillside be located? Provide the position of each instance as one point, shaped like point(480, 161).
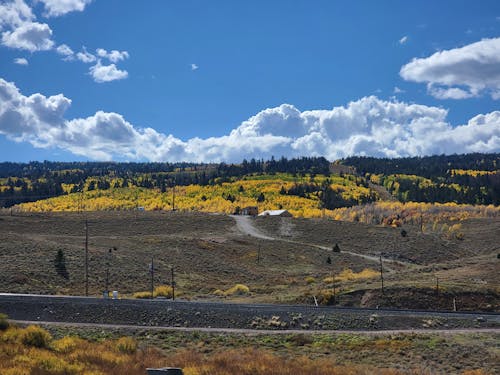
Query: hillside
point(211, 255)
point(305, 186)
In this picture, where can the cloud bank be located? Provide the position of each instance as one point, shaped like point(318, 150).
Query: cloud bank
point(459, 73)
point(368, 126)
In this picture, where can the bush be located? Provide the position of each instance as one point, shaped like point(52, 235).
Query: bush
point(160, 291)
point(60, 264)
point(126, 345)
point(142, 295)
point(35, 336)
point(310, 280)
point(163, 291)
point(238, 289)
point(66, 344)
point(4, 323)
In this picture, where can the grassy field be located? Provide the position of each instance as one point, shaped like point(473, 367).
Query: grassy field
point(34, 350)
point(210, 256)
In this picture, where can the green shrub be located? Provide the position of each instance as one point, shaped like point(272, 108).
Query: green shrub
point(35, 336)
point(310, 280)
point(4, 323)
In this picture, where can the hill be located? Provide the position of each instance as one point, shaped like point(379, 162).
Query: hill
point(211, 255)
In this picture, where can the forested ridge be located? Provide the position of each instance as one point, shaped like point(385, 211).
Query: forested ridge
point(463, 179)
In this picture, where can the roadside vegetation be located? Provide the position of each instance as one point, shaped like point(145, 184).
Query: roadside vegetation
point(57, 351)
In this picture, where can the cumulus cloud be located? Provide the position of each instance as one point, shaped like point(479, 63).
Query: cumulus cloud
point(14, 13)
point(114, 56)
point(106, 73)
point(55, 8)
point(20, 61)
point(31, 36)
point(85, 56)
point(368, 126)
point(459, 73)
point(194, 67)
point(403, 40)
point(65, 51)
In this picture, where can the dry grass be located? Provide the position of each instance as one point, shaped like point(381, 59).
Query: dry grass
point(73, 355)
point(92, 351)
point(208, 253)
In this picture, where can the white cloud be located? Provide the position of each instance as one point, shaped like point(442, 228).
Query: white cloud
point(194, 67)
point(369, 126)
point(54, 8)
point(31, 36)
point(397, 90)
point(449, 93)
point(114, 56)
point(65, 50)
point(20, 61)
point(14, 13)
point(85, 56)
point(106, 73)
point(403, 40)
point(459, 73)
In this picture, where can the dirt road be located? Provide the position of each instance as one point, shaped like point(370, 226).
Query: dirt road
point(245, 226)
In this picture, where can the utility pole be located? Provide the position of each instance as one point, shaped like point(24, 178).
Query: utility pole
point(108, 264)
point(173, 197)
point(173, 283)
point(382, 273)
point(334, 290)
point(152, 271)
point(86, 258)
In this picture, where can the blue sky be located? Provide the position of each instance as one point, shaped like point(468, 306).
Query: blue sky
point(226, 80)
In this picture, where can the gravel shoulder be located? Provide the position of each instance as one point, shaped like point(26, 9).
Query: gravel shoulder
point(166, 313)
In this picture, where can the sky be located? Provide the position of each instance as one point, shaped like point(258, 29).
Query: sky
point(220, 81)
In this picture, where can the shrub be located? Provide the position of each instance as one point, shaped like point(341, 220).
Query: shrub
point(336, 248)
point(4, 323)
point(163, 291)
point(159, 291)
point(310, 280)
point(238, 289)
point(67, 344)
point(35, 336)
point(218, 292)
point(60, 264)
point(126, 345)
point(142, 295)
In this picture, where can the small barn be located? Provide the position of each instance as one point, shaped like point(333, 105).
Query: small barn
point(250, 210)
point(280, 213)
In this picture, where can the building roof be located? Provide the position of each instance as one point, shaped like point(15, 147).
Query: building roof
point(273, 212)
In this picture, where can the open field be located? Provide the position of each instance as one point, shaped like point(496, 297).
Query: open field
point(209, 252)
point(105, 351)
